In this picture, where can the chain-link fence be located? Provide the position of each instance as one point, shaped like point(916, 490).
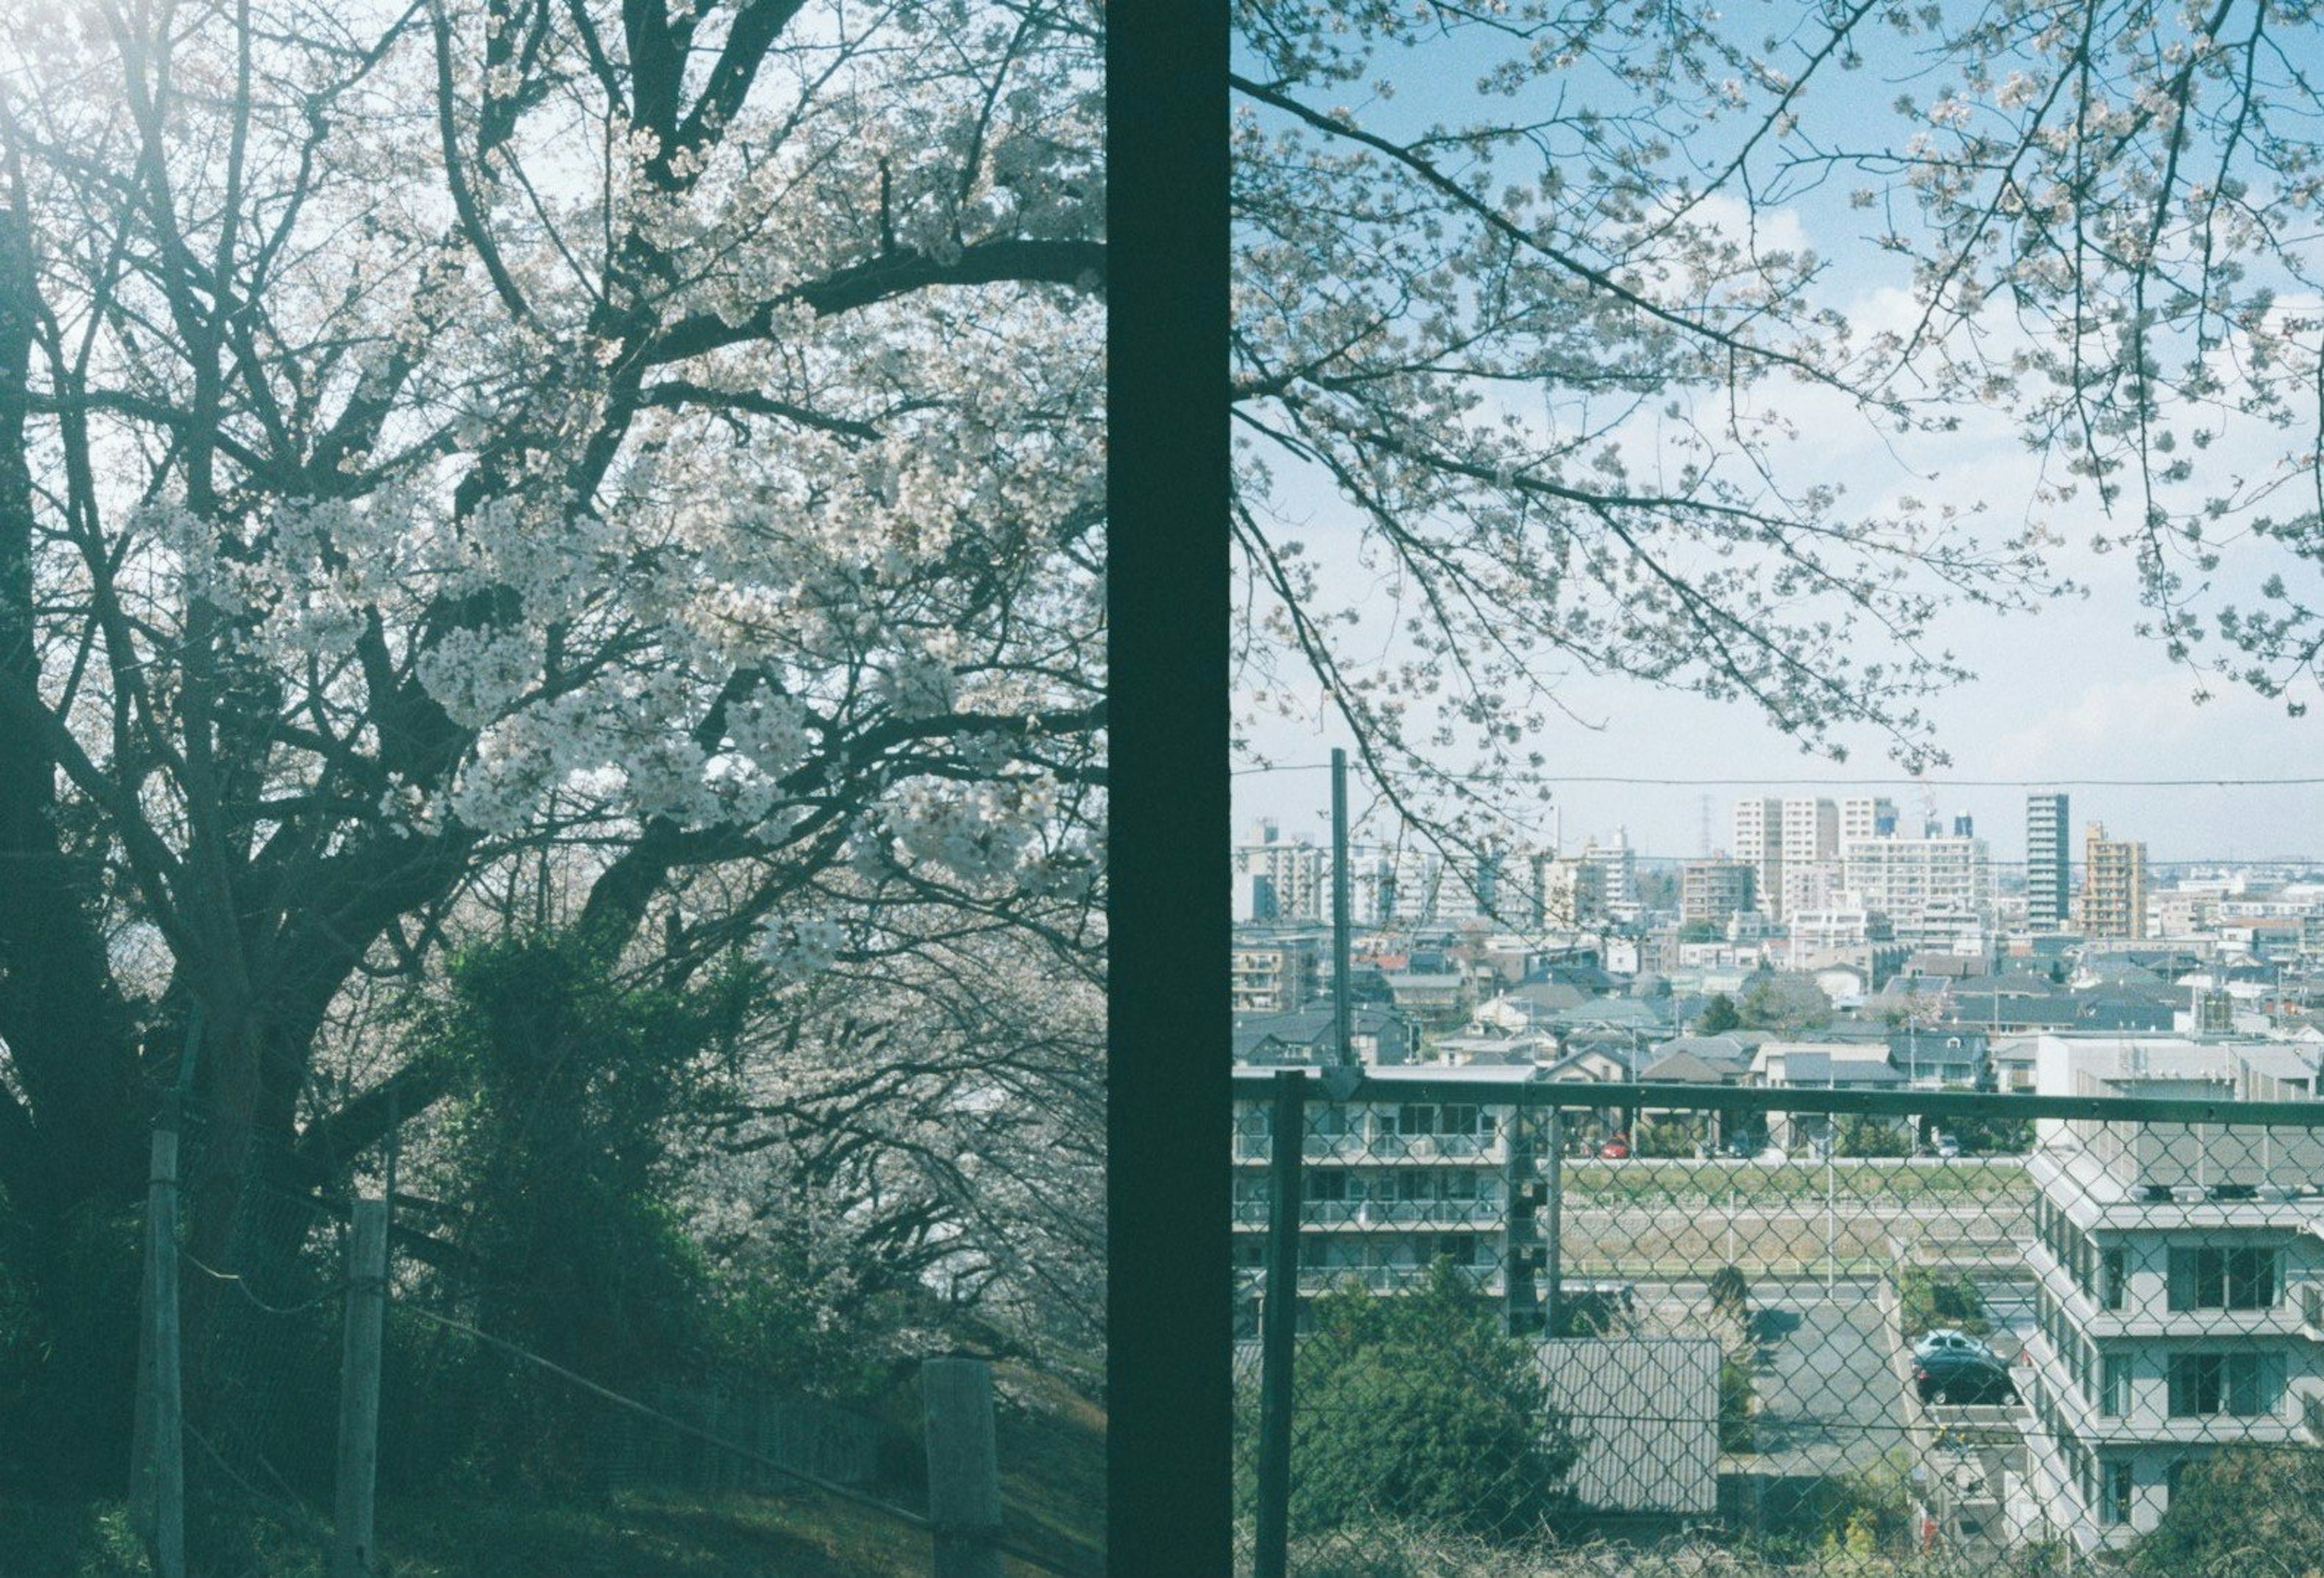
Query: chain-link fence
point(1544, 1328)
point(310, 1400)
point(260, 1267)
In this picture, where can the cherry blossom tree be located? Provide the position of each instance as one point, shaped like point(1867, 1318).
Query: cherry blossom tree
point(1554, 340)
point(660, 435)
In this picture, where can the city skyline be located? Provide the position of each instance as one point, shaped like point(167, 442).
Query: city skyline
point(1999, 817)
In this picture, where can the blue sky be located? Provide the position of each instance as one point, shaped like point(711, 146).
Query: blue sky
point(2069, 694)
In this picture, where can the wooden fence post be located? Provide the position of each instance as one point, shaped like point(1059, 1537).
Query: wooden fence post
point(963, 1467)
point(157, 1469)
point(353, 1552)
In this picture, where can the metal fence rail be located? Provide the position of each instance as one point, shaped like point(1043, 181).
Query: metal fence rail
point(1498, 1328)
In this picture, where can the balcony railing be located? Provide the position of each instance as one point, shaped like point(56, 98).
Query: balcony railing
point(1385, 1149)
point(1315, 1279)
point(1382, 1213)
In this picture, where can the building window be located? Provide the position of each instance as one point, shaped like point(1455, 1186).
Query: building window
point(2114, 1385)
point(1415, 1121)
point(2217, 1279)
point(2114, 1274)
point(1331, 1187)
point(2115, 1507)
point(2198, 1383)
point(2247, 1385)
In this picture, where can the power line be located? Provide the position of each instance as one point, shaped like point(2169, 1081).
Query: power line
point(1932, 783)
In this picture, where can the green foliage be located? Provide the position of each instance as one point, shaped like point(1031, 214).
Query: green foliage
point(1414, 1406)
point(1701, 931)
point(73, 1374)
point(1668, 1138)
point(1863, 1135)
point(1868, 1513)
point(1993, 1136)
point(1719, 1016)
point(1737, 1431)
point(561, 1146)
point(2245, 1498)
point(1787, 1005)
point(1930, 1300)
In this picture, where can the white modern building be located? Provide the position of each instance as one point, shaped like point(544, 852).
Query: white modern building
point(1280, 879)
point(2178, 1272)
point(1906, 877)
point(1759, 843)
point(2049, 892)
point(1618, 873)
point(1866, 816)
point(1810, 831)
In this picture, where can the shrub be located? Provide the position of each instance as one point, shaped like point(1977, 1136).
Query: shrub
point(1866, 1136)
point(1414, 1407)
point(2246, 1500)
point(1737, 1432)
point(1930, 1301)
point(1669, 1137)
point(1731, 1293)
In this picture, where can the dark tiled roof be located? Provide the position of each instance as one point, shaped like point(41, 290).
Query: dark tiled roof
point(1819, 1068)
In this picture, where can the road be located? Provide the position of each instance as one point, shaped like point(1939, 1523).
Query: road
point(1829, 1400)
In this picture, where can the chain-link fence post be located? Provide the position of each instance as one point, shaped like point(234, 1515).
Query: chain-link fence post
point(1279, 1325)
point(157, 1475)
point(353, 1552)
point(1553, 1245)
point(1520, 1302)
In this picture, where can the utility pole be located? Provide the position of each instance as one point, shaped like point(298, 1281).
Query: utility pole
point(1343, 1047)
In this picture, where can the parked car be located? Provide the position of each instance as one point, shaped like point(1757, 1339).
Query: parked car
point(1962, 1376)
point(1947, 1340)
point(1616, 1149)
point(1948, 1148)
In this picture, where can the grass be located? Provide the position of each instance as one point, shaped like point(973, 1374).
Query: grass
point(1052, 1489)
point(1393, 1552)
point(1998, 1181)
point(643, 1535)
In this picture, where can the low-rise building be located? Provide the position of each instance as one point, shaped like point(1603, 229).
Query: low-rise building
point(2177, 1271)
point(1388, 1187)
point(1274, 974)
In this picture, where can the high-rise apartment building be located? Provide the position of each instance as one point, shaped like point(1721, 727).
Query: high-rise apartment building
point(1866, 816)
point(1617, 868)
point(1279, 879)
point(1810, 831)
point(1759, 845)
point(1812, 885)
point(2113, 885)
point(1714, 892)
point(1906, 879)
point(2049, 893)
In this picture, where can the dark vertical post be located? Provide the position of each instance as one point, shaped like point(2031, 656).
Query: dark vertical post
point(157, 1484)
point(1520, 1300)
point(353, 1548)
point(1279, 1326)
point(1552, 1248)
point(1170, 1281)
point(1343, 1045)
point(963, 1467)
